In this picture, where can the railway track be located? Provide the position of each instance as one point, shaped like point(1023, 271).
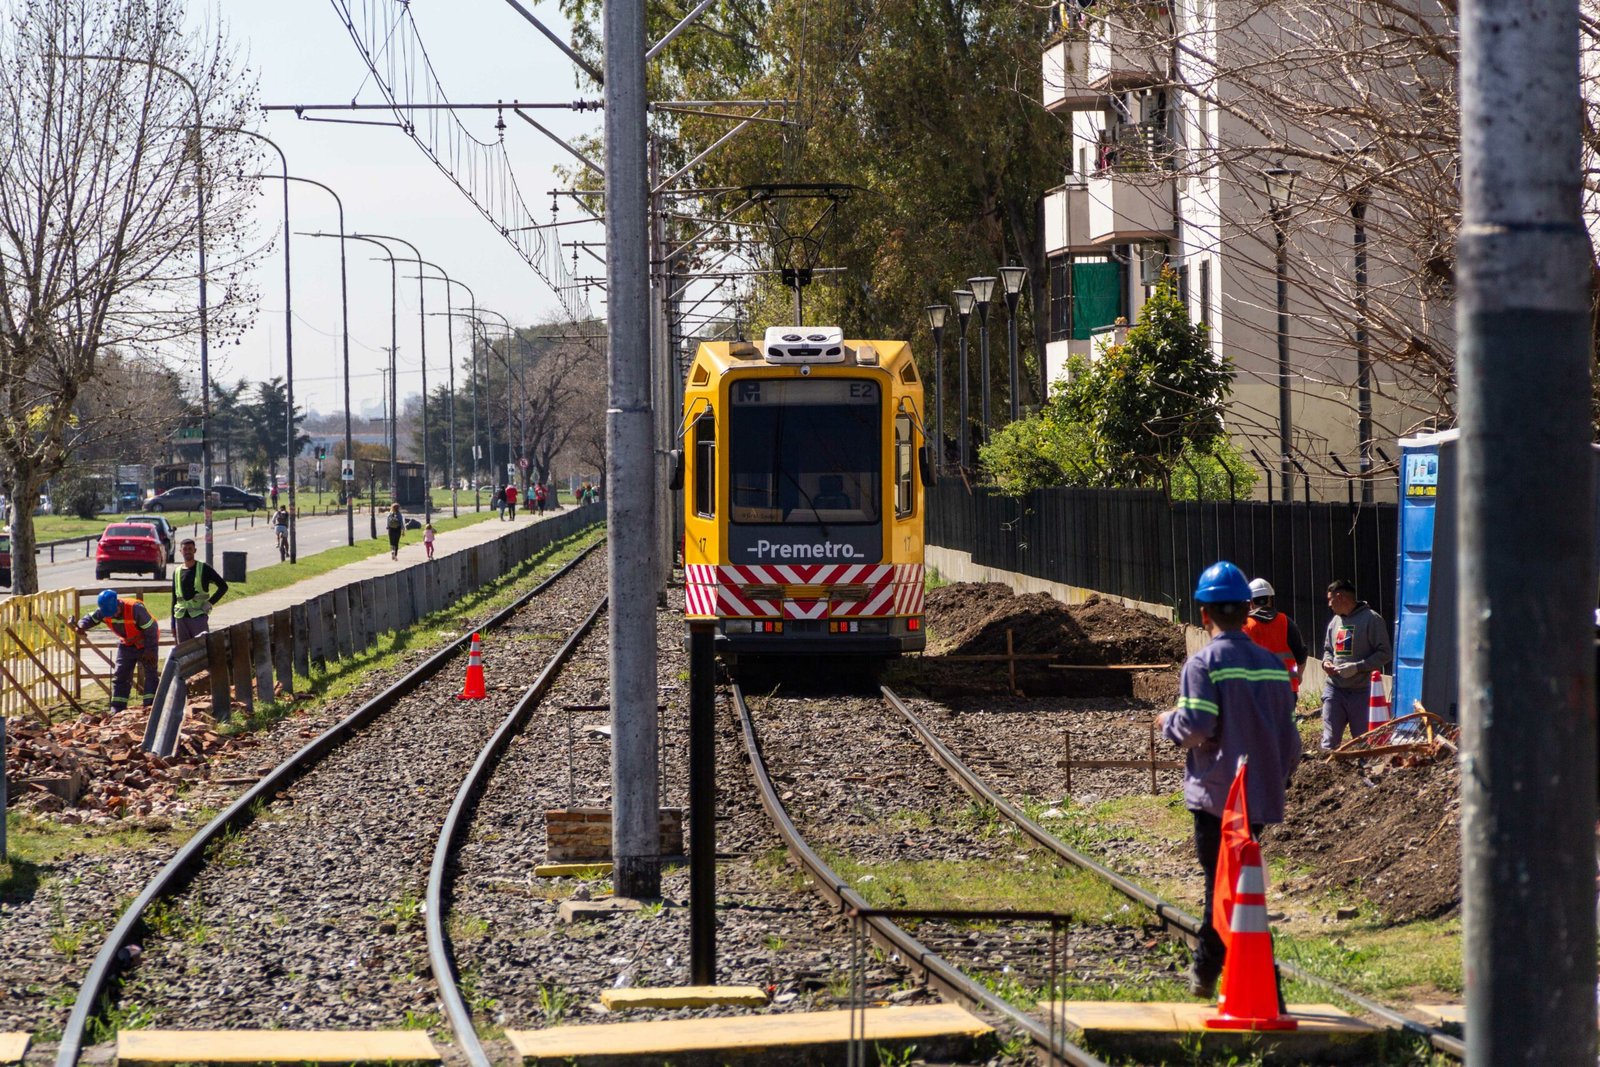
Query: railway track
point(1171, 916)
point(303, 903)
point(951, 980)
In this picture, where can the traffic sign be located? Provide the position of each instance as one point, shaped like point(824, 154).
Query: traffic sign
point(523, 462)
point(347, 470)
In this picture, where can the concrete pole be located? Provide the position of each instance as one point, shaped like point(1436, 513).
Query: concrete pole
point(1526, 480)
point(661, 363)
point(630, 497)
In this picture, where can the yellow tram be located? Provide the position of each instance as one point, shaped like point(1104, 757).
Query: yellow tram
point(803, 496)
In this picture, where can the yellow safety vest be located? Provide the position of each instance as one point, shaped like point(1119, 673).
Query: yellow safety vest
point(195, 606)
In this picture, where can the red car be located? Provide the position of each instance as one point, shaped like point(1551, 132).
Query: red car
point(130, 548)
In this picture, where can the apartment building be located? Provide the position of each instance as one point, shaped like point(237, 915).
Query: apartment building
point(1164, 171)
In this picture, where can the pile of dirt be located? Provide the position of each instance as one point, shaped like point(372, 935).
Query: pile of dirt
point(92, 769)
point(1120, 634)
point(971, 619)
point(1389, 833)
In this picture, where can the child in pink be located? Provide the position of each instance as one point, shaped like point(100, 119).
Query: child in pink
point(427, 539)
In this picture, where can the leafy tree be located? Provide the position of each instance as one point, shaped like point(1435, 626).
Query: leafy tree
point(97, 215)
point(269, 420)
point(1150, 398)
point(1038, 452)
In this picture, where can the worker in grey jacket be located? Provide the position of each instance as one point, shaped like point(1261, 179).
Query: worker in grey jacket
point(1355, 644)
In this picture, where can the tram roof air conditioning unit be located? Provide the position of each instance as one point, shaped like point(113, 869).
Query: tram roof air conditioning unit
point(805, 344)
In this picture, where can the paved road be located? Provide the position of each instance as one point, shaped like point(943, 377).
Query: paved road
point(73, 570)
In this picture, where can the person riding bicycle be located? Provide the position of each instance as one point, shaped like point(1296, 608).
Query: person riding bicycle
point(280, 523)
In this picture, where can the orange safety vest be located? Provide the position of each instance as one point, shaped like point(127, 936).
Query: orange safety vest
point(1274, 637)
point(128, 627)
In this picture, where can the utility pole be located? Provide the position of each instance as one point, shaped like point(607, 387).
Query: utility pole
point(661, 366)
point(1527, 657)
point(630, 497)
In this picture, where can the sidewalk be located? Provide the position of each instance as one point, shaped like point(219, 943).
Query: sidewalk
point(241, 608)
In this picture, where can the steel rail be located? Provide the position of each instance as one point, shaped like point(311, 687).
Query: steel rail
point(440, 953)
point(942, 975)
point(188, 859)
point(1172, 917)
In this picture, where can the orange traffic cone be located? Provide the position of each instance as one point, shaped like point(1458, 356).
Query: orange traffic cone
point(473, 688)
point(1377, 703)
point(1249, 998)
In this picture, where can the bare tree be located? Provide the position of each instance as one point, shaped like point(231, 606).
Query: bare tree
point(97, 214)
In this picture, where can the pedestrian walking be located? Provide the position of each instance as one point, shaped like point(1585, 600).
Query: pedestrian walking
point(499, 501)
point(1233, 700)
point(396, 525)
point(196, 588)
point(1355, 644)
point(540, 496)
point(274, 496)
point(138, 639)
point(427, 539)
point(511, 501)
point(1275, 631)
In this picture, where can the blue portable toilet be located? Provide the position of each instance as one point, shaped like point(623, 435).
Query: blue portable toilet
point(1427, 665)
point(1426, 577)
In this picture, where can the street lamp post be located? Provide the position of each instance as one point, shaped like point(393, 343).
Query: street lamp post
point(982, 291)
point(422, 332)
point(1280, 190)
point(394, 470)
point(1011, 278)
point(936, 317)
point(450, 345)
point(346, 491)
point(200, 241)
point(964, 300)
point(288, 328)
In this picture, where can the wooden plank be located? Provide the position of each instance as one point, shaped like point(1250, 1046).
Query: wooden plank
point(13, 1047)
point(1109, 666)
point(330, 629)
point(239, 636)
point(687, 996)
point(299, 628)
point(380, 606)
point(282, 652)
point(261, 653)
point(1103, 764)
point(219, 664)
point(1000, 657)
point(274, 1046)
point(341, 622)
point(366, 619)
point(770, 1034)
point(45, 673)
point(316, 650)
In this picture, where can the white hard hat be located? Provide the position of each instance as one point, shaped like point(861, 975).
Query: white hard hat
point(1260, 588)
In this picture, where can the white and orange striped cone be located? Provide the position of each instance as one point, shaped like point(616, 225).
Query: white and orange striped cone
point(1377, 703)
point(473, 688)
point(1249, 998)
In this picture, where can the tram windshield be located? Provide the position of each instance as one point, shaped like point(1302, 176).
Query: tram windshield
point(804, 451)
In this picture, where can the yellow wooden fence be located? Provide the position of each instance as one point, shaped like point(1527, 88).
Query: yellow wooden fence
point(40, 665)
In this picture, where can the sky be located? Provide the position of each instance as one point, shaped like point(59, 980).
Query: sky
point(482, 51)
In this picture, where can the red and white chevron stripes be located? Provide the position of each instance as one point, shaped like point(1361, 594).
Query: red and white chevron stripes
point(722, 592)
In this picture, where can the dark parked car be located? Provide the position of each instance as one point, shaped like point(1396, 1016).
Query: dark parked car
point(187, 498)
point(5, 559)
point(130, 547)
point(163, 529)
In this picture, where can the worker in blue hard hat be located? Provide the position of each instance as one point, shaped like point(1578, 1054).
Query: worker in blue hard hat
point(1233, 700)
point(138, 638)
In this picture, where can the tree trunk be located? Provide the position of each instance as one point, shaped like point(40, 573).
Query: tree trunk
point(25, 487)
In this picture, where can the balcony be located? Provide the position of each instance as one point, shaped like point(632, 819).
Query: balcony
point(1066, 219)
point(1128, 45)
point(1126, 207)
point(1066, 75)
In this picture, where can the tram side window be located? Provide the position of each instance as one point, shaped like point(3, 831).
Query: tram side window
point(705, 466)
point(905, 459)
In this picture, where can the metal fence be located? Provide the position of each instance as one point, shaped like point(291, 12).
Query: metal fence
point(1134, 543)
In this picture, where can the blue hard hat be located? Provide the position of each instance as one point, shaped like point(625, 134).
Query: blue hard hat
point(107, 601)
point(1222, 583)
